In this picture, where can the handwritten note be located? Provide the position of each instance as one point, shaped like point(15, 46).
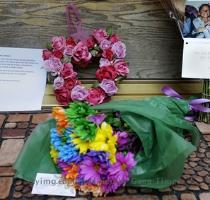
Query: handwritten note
point(22, 79)
point(196, 58)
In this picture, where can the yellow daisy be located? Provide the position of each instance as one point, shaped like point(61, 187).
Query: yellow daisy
point(105, 141)
point(82, 145)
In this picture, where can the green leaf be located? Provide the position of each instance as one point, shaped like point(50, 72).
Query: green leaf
point(49, 46)
point(94, 52)
point(66, 59)
point(97, 48)
point(109, 31)
point(120, 78)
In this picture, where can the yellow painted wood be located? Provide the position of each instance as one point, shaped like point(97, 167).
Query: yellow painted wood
point(138, 89)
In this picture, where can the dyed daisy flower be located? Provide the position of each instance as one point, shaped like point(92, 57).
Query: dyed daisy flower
point(105, 141)
point(119, 172)
point(53, 154)
point(68, 154)
point(61, 119)
point(70, 171)
point(93, 168)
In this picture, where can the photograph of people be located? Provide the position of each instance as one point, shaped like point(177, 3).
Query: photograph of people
point(197, 19)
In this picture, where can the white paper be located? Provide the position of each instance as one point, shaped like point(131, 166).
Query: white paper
point(196, 58)
point(22, 79)
point(52, 184)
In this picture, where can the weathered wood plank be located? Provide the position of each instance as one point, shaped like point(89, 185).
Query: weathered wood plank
point(153, 42)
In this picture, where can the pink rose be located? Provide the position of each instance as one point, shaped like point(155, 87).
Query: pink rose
point(58, 83)
point(104, 62)
point(119, 49)
point(100, 34)
point(58, 43)
point(79, 93)
point(95, 96)
point(121, 67)
point(46, 54)
point(81, 53)
point(53, 65)
point(63, 96)
point(68, 71)
point(105, 44)
point(109, 87)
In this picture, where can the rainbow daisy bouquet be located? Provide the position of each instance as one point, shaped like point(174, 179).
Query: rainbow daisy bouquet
point(94, 151)
point(98, 149)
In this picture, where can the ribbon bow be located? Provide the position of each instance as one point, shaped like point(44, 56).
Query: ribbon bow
point(74, 23)
point(195, 104)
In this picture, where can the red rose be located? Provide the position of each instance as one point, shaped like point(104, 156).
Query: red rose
point(70, 83)
point(114, 38)
point(63, 96)
point(108, 54)
point(106, 72)
point(70, 41)
point(95, 96)
point(90, 43)
point(58, 54)
point(68, 72)
point(46, 54)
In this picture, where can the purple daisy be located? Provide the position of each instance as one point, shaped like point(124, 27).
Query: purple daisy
point(97, 119)
point(119, 172)
point(62, 165)
point(123, 140)
point(93, 169)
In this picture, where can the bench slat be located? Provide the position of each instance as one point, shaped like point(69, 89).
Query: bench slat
point(133, 89)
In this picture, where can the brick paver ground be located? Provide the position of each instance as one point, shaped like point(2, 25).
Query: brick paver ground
point(15, 128)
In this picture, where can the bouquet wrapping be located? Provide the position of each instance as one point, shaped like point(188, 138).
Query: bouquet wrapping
point(156, 160)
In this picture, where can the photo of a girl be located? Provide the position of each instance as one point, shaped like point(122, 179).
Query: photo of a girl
point(197, 19)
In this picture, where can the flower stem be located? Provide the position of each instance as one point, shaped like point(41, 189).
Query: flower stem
point(205, 117)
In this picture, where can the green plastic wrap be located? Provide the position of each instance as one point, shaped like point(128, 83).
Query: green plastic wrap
point(158, 122)
point(35, 156)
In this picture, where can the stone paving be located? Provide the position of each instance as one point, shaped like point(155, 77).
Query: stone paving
point(15, 129)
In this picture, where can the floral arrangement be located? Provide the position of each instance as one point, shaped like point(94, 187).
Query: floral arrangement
point(94, 151)
point(63, 55)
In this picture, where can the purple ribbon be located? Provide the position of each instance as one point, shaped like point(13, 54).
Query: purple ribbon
point(195, 104)
point(168, 91)
point(74, 23)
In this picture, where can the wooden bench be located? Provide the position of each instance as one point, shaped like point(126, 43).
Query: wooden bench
point(136, 89)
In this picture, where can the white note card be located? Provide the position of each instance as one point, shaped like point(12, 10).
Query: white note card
point(52, 184)
point(22, 79)
point(196, 58)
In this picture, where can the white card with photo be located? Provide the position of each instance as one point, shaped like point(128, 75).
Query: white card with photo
point(196, 33)
point(196, 58)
